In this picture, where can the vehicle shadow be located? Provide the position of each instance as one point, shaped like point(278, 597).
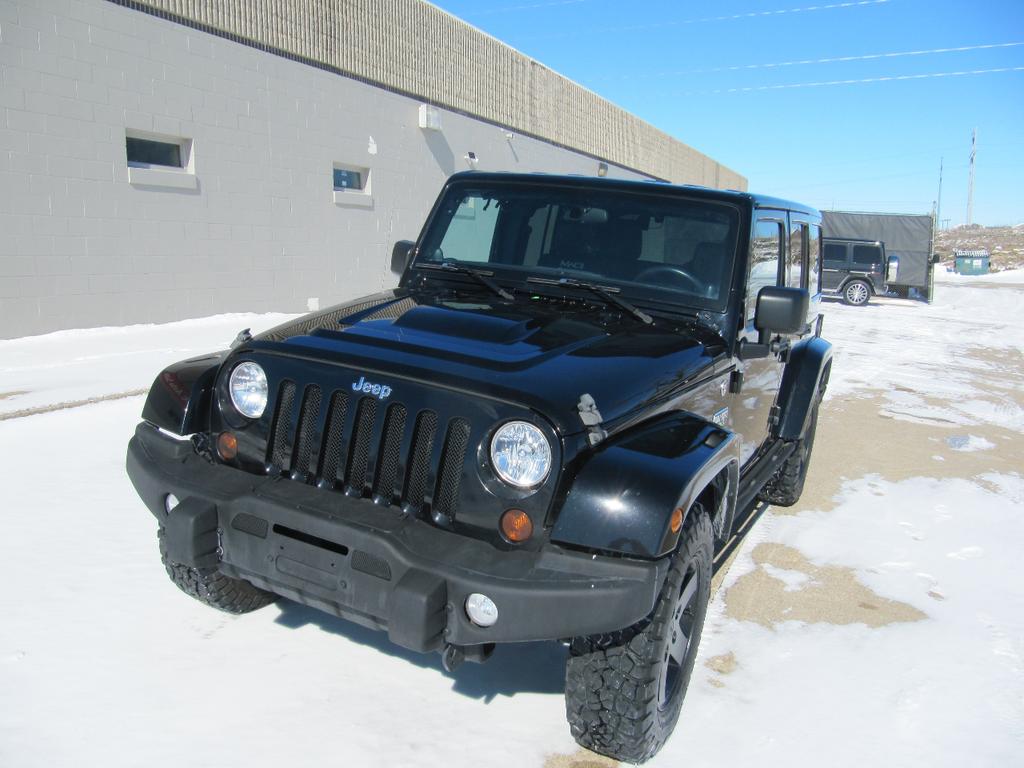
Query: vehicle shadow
point(514, 667)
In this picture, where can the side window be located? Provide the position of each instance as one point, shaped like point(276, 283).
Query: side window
point(814, 259)
point(866, 257)
point(835, 256)
point(765, 256)
point(795, 270)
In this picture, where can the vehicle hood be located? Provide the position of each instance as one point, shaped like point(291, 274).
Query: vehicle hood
point(541, 352)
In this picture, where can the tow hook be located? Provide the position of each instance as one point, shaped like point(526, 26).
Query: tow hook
point(453, 655)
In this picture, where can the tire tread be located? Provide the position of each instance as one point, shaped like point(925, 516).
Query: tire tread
point(213, 588)
point(611, 681)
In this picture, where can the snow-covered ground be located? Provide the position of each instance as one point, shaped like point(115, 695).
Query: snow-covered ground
point(880, 622)
point(1008, 276)
point(69, 366)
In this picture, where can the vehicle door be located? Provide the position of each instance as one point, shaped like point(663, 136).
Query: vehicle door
point(750, 408)
point(867, 261)
point(834, 266)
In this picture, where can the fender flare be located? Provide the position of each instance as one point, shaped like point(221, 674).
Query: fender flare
point(179, 399)
point(622, 497)
point(804, 380)
point(850, 278)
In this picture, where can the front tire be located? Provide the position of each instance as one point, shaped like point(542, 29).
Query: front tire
point(211, 587)
point(856, 293)
point(624, 691)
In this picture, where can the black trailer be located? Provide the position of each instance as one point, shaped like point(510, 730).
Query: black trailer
point(908, 244)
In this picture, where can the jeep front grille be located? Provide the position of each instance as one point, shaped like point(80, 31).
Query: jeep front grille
point(280, 439)
point(423, 448)
point(364, 448)
point(447, 498)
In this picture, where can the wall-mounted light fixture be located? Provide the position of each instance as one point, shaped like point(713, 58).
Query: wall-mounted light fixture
point(602, 169)
point(472, 159)
point(430, 118)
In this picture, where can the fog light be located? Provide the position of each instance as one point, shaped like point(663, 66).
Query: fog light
point(170, 502)
point(481, 610)
point(227, 446)
point(516, 526)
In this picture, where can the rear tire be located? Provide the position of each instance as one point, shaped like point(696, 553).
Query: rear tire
point(856, 293)
point(624, 691)
point(787, 484)
point(213, 588)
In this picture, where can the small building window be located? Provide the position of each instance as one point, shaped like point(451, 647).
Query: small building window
point(347, 178)
point(352, 186)
point(143, 153)
point(158, 160)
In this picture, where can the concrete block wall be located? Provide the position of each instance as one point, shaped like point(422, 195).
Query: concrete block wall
point(82, 245)
point(414, 47)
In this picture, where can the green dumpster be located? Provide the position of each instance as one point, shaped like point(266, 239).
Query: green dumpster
point(971, 262)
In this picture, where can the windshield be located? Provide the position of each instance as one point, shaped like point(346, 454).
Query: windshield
point(650, 246)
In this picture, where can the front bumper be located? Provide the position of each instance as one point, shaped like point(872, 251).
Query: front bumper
point(373, 565)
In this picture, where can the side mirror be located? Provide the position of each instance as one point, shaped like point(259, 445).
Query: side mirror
point(401, 255)
point(778, 310)
point(781, 310)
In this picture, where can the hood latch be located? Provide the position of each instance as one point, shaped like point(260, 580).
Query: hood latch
point(592, 419)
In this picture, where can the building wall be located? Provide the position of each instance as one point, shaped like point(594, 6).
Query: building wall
point(87, 241)
point(414, 47)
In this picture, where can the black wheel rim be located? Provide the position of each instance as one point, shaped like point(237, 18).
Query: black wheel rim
point(681, 640)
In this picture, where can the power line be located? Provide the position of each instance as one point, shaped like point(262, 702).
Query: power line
point(829, 60)
point(824, 83)
point(706, 19)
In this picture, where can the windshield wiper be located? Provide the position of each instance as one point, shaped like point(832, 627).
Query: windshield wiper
point(606, 293)
point(479, 276)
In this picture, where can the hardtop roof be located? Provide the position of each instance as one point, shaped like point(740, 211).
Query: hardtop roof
point(662, 187)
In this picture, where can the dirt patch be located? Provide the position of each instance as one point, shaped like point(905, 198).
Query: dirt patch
point(725, 664)
point(786, 586)
point(581, 759)
point(70, 404)
point(861, 436)
point(15, 393)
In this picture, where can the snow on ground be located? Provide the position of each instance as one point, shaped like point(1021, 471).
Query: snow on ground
point(65, 366)
point(1007, 276)
point(103, 662)
point(963, 350)
point(944, 690)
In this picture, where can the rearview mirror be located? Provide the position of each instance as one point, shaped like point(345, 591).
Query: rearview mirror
point(401, 255)
point(781, 310)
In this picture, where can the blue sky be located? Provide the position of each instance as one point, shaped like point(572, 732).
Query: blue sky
point(708, 73)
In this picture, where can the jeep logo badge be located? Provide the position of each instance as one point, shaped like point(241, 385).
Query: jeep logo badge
point(381, 391)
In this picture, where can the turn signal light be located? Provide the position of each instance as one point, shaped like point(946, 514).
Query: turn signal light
point(227, 446)
point(677, 520)
point(516, 526)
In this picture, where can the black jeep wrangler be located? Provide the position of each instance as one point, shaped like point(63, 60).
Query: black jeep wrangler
point(545, 432)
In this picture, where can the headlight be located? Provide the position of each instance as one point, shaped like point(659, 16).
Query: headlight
point(248, 388)
point(520, 454)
